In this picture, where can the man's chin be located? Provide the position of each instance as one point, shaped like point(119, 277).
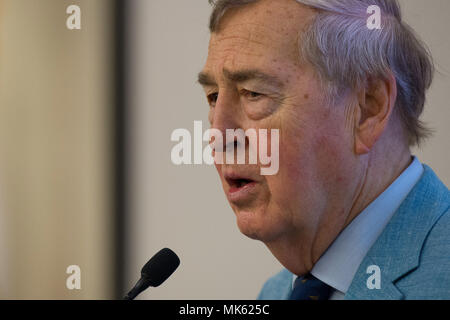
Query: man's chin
point(253, 225)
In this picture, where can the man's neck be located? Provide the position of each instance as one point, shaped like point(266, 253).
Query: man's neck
point(380, 173)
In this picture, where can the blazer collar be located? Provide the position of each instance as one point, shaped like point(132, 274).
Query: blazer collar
point(397, 251)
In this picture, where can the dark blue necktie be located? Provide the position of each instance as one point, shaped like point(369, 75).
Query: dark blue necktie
point(309, 287)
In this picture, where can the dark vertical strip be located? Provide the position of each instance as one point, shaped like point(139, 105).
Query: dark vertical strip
point(120, 138)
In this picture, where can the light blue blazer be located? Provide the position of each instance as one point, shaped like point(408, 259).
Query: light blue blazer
point(413, 251)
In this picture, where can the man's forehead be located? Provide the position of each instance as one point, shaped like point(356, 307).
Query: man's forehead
point(247, 34)
point(241, 52)
point(261, 31)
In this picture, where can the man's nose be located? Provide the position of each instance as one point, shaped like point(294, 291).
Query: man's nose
point(226, 113)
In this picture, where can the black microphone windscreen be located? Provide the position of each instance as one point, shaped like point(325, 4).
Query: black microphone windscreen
point(160, 267)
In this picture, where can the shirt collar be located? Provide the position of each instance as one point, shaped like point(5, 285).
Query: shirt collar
point(339, 263)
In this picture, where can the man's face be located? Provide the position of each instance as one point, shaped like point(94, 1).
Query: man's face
point(254, 79)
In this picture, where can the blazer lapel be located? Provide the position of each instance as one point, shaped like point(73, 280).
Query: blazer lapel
point(397, 251)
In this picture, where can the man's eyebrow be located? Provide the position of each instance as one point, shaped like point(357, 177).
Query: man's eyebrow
point(206, 79)
point(251, 74)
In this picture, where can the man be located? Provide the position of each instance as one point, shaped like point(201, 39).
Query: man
point(351, 213)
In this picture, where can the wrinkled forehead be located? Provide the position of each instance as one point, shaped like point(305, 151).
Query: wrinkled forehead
point(265, 30)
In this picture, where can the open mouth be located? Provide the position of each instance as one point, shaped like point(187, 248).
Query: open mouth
point(242, 189)
point(238, 183)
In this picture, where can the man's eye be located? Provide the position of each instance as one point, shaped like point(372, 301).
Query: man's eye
point(251, 95)
point(212, 98)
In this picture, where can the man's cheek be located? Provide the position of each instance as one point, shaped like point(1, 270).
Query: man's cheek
point(292, 162)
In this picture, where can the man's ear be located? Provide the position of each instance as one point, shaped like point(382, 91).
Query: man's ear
point(376, 104)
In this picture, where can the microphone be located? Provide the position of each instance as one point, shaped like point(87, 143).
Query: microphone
point(157, 270)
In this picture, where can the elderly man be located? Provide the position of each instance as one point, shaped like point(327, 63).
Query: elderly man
point(351, 213)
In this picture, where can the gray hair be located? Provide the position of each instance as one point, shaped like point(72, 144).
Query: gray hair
point(346, 53)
